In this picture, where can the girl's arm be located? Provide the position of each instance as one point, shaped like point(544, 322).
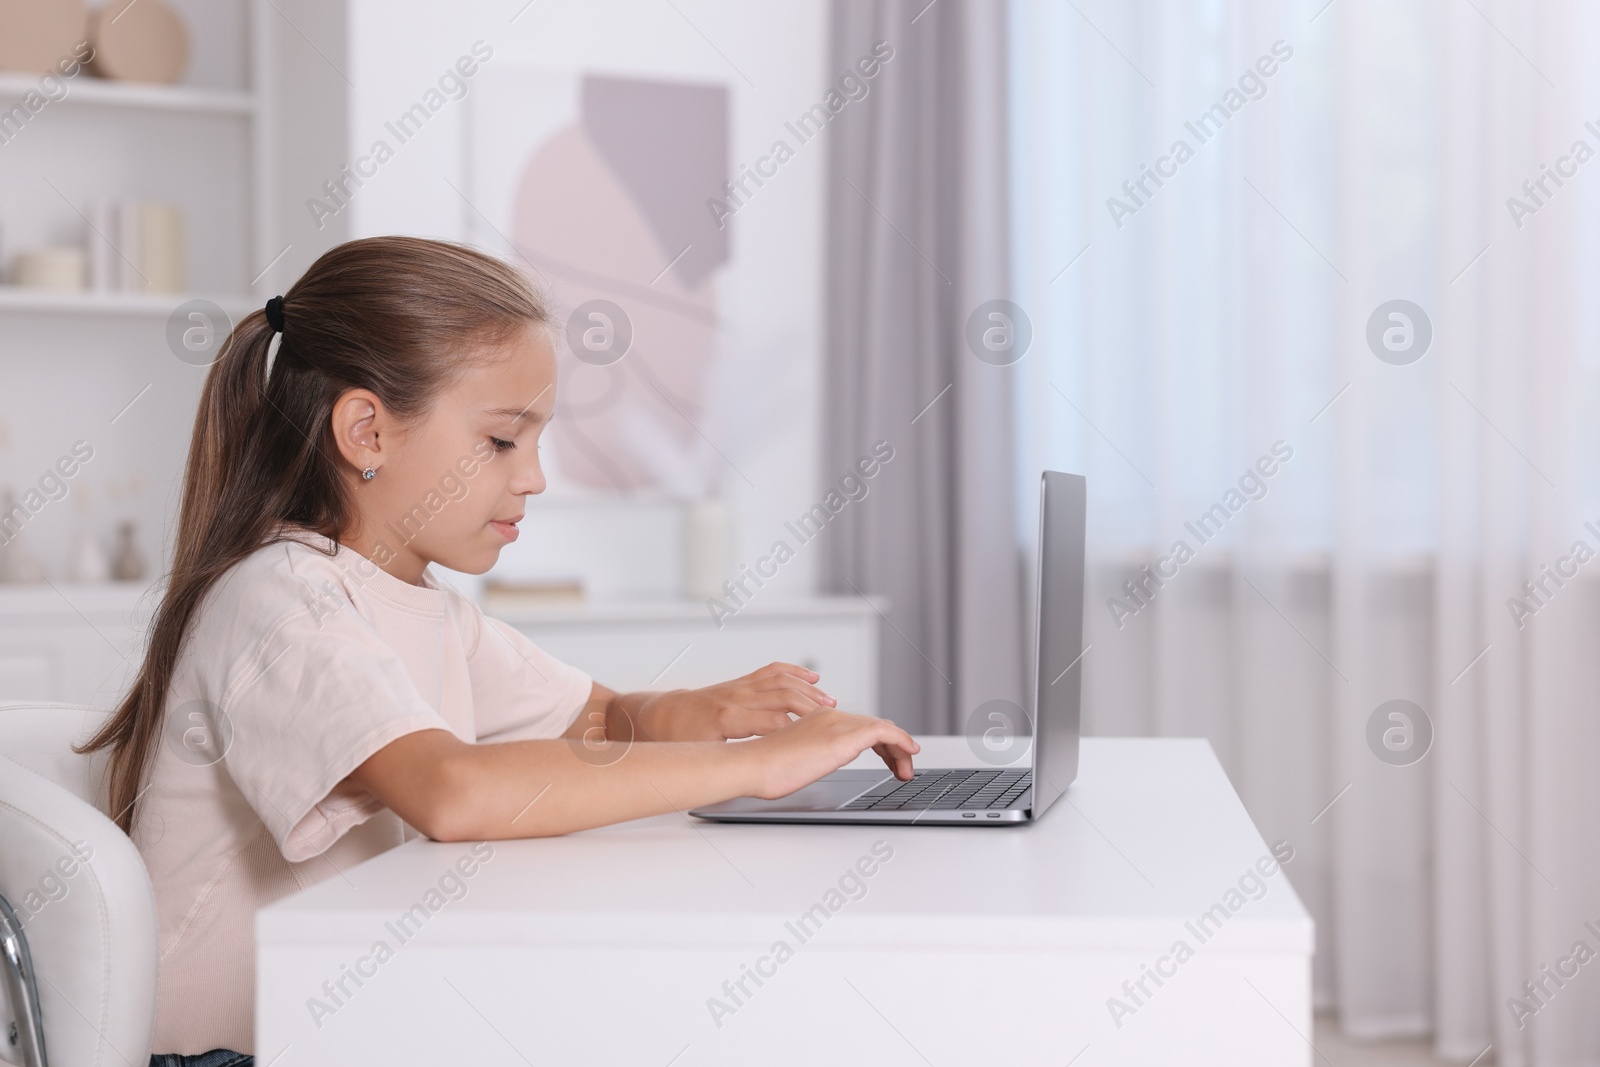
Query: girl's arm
point(758, 703)
point(454, 791)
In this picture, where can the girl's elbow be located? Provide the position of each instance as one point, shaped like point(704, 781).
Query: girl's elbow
point(448, 811)
point(438, 823)
point(449, 834)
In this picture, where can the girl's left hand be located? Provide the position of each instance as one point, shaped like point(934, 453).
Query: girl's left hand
point(758, 703)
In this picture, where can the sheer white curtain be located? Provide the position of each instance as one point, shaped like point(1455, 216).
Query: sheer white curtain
point(1359, 152)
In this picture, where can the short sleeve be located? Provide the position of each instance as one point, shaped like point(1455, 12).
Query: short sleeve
point(519, 691)
point(312, 704)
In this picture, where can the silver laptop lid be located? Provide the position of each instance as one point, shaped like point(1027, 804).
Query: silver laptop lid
point(1058, 681)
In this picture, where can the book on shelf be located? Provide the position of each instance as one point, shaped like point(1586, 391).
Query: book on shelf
point(502, 595)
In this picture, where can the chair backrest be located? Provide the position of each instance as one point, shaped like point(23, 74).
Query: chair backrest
point(80, 891)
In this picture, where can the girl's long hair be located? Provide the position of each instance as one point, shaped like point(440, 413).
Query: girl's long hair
point(401, 316)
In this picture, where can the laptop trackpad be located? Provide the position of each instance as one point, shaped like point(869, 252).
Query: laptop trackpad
point(824, 794)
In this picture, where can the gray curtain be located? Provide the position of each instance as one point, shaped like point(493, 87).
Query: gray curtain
point(918, 238)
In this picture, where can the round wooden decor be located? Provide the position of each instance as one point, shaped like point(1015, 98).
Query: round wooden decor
point(37, 34)
point(138, 41)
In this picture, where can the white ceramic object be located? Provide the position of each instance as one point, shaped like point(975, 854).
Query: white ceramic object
point(707, 548)
point(89, 562)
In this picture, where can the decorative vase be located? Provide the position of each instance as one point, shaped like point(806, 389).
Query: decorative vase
point(129, 564)
point(89, 562)
point(707, 548)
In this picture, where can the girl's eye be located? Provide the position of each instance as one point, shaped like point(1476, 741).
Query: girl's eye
point(501, 446)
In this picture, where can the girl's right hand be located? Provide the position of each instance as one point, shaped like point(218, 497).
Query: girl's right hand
point(819, 744)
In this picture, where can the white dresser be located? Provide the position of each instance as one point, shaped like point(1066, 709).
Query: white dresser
point(675, 644)
point(82, 643)
point(79, 643)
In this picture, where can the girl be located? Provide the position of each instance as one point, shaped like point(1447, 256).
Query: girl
point(312, 695)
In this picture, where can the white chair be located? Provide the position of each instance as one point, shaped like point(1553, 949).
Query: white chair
point(79, 894)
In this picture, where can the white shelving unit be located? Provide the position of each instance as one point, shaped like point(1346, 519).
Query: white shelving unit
point(95, 364)
point(124, 103)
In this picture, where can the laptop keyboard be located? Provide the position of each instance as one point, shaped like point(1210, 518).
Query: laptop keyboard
point(945, 790)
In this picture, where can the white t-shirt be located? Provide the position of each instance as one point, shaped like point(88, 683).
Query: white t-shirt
point(297, 667)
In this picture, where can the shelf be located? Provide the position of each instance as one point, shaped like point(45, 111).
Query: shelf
point(60, 301)
point(85, 89)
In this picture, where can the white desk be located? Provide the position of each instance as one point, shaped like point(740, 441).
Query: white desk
point(970, 946)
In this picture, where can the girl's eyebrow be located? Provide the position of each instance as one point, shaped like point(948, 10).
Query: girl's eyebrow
point(514, 414)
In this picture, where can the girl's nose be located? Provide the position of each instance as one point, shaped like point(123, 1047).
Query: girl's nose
point(529, 478)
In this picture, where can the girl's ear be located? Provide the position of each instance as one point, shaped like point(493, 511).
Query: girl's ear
point(356, 415)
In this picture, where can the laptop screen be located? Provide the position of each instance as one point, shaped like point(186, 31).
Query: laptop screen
point(1058, 683)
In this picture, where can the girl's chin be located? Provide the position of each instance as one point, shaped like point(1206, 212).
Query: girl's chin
point(478, 559)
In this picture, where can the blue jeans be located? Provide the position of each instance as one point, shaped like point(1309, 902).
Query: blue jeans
point(217, 1057)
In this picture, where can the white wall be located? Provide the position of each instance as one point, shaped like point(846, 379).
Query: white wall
point(771, 293)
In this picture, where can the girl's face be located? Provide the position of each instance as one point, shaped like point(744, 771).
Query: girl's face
point(450, 488)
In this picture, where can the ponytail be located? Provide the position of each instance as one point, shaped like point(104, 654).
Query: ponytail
point(396, 315)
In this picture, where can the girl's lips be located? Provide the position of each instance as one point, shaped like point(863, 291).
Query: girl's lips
point(508, 530)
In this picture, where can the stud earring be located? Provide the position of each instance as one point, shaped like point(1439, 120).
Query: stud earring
point(367, 475)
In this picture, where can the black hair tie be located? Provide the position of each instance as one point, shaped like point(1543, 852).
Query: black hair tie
point(275, 314)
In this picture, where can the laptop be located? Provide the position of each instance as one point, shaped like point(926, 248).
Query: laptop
point(1004, 792)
